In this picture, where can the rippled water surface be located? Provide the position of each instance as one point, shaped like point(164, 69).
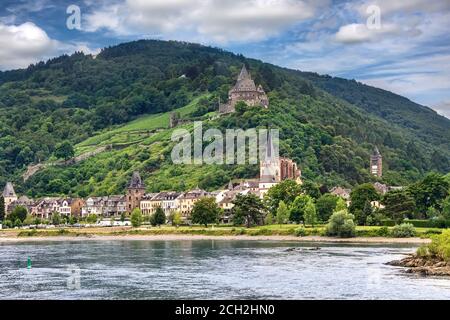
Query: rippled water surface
point(209, 270)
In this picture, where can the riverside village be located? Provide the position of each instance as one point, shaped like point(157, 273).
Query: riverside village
point(110, 208)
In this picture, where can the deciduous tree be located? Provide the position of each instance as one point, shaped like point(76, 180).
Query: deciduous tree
point(136, 218)
point(325, 206)
point(205, 211)
point(248, 209)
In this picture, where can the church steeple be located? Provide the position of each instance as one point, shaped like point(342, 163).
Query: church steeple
point(269, 148)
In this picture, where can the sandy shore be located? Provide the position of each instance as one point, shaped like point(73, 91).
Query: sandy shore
point(175, 237)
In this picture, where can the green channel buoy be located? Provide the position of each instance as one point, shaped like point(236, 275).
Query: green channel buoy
point(29, 263)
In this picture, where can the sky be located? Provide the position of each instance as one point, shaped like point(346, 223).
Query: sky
point(399, 45)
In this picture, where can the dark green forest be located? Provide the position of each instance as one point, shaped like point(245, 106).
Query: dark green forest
point(328, 125)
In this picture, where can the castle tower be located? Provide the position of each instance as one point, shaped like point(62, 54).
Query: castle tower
point(135, 192)
point(9, 195)
point(245, 90)
point(376, 163)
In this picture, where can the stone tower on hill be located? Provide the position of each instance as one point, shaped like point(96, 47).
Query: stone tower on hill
point(245, 90)
point(135, 192)
point(376, 163)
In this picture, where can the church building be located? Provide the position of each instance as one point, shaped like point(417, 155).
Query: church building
point(274, 169)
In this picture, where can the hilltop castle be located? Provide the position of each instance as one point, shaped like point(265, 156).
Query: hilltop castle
point(245, 90)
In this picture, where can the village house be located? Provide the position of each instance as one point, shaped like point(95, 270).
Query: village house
point(170, 202)
point(164, 200)
point(115, 206)
point(44, 208)
point(76, 205)
point(187, 200)
point(147, 205)
point(22, 201)
point(341, 192)
point(94, 205)
point(65, 207)
point(381, 188)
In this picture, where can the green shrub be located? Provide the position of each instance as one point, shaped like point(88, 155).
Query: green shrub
point(404, 230)
point(423, 252)
point(387, 222)
point(92, 218)
point(136, 218)
point(437, 222)
point(439, 247)
point(28, 233)
point(341, 225)
point(300, 232)
point(8, 224)
point(383, 232)
point(63, 232)
point(18, 223)
point(432, 231)
point(259, 232)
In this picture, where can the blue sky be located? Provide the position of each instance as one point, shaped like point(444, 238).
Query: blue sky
point(399, 45)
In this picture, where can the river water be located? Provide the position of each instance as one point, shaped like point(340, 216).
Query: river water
point(209, 269)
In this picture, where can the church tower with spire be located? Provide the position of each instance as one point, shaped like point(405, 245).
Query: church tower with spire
point(245, 90)
point(376, 163)
point(269, 168)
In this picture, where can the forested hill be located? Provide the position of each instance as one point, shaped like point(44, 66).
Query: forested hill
point(329, 125)
point(389, 106)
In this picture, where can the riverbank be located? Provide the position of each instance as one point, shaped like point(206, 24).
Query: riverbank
point(185, 237)
point(432, 259)
point(423, 266)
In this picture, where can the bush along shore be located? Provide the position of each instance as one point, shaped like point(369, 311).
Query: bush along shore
point(333, 230)
point(432, 259)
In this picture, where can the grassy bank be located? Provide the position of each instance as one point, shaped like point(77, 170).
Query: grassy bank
point(271, 230)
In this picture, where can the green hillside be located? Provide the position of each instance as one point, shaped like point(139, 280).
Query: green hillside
point(124, 96)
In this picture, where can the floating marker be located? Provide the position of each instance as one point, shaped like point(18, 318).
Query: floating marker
point(29, 263)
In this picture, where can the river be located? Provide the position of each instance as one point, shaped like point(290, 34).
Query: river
point(209, 269)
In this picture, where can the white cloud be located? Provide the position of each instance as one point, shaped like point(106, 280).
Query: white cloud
point(358, 32)
point(30, 6)
point(211, 20)
point(443, 108)
point(405, 6)
point(24, 44)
